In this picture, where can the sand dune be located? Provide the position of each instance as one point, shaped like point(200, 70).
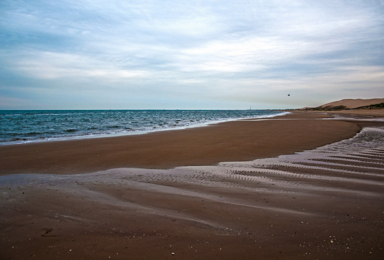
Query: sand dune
point(354, 103)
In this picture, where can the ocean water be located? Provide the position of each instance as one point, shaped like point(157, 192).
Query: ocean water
point(48, 125)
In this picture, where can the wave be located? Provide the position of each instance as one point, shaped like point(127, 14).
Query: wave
point(21, 127)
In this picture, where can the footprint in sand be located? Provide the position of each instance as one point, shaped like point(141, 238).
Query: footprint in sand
point(45, 232)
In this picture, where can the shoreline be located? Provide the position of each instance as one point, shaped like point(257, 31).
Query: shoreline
point(324, 202)
point(241, 140)
point(138, 132)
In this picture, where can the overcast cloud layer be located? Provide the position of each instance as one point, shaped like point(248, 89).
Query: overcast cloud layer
point(103, 54)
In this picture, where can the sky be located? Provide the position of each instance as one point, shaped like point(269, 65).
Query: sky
point(168, 54)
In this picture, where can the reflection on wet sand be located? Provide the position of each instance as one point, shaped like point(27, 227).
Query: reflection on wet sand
point(322, 203)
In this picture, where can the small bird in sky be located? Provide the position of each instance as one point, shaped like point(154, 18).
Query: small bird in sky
point(289, 95)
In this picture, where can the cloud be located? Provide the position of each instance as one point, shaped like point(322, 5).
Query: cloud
point(233, 52)
point(48, 65)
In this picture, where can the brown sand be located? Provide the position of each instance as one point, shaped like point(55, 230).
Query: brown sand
point(322, 205)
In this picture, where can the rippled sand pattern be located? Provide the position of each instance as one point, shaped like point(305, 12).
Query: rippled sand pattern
point(325, 203)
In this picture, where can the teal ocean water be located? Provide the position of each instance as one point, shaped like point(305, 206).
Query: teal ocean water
point(48, 125)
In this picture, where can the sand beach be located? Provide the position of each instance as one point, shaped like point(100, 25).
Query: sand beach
point(305, 185)
point(219, 130)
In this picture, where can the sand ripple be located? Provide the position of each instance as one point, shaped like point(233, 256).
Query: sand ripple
point(321, 193)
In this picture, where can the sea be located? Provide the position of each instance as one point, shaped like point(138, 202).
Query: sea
point(25, 126)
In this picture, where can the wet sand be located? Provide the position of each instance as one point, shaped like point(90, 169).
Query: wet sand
point(362, 112)
point(241, 140)
point(326, 203)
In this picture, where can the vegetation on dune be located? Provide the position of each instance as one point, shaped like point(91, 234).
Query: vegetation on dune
point(330, 108)
point(342, 107)
point(374, 106)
